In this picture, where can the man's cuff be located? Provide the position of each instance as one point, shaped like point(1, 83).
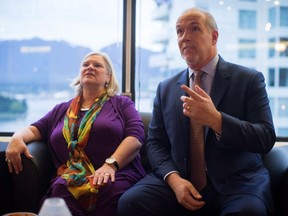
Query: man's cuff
point(169, 174)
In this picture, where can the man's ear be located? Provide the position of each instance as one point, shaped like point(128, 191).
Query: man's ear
point(215, 37)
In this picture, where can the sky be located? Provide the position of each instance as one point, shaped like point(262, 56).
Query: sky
point(90, 23)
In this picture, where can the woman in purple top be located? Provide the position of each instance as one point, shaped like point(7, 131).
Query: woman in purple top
point(94, 140)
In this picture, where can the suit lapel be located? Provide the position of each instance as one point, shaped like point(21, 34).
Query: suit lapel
point(221, 82)
point(183, 80)
point(183, 120)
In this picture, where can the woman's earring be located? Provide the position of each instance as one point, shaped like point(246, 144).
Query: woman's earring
point(106, 85)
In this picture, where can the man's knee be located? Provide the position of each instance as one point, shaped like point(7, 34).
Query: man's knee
point(127, 204)
point(245, 205)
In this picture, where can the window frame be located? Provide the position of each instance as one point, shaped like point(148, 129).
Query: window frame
point(129, 55)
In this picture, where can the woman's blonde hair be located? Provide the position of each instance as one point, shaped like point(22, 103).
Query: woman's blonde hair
point(112, 87)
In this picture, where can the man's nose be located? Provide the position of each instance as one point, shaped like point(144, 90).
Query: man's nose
point(185, 35)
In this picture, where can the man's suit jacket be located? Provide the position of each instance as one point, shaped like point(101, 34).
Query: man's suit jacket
point(234, 163)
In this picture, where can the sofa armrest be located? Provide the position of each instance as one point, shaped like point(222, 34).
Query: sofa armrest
point(31, 184)
point(276, 162)
point(6, 198)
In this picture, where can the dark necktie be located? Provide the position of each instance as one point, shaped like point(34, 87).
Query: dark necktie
point(197, 160)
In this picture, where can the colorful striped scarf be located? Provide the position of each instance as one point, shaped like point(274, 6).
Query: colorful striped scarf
point(79, 169)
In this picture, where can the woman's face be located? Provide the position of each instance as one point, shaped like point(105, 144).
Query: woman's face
point(94, 73)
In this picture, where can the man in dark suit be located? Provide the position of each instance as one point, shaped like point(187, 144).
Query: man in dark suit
point(233, 107)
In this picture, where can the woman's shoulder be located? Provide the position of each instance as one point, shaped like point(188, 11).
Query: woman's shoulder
point(62, 105)
point(121, 99)
point(123, 104)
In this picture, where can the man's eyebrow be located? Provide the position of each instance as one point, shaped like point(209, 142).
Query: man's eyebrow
point(193, 23)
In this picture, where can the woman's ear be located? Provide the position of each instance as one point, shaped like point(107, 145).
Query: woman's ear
point(108, 78)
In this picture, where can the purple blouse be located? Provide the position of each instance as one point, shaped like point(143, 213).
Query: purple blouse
point(117, 120)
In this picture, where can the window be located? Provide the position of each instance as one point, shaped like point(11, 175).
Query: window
point(283, 107)
point(271, 77)
point(271, 50)
point(247, 48)
point(283, 47)
point(282, 132)
point(272, 17)
point(244, 39)
point(283, 113)
point(282, 21)
point(41, 46)
point(247, 19)
point(283, 77)
point(284, 16)
point(41, 53)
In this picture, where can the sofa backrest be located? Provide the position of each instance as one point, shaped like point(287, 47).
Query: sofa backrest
point(146, 118)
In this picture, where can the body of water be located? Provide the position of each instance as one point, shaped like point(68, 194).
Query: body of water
point(37, 108)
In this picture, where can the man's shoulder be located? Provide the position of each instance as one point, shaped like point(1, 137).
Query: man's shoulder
point(234, 69)
point(177, 76)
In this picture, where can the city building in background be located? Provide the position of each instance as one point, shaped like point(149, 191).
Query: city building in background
point(253, 33)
